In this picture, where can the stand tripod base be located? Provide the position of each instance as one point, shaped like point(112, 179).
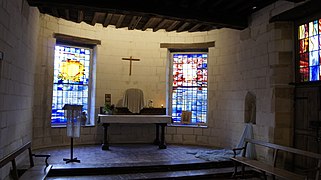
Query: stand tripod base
point(71, 160)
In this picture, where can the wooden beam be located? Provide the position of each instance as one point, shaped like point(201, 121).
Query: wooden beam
point(95, 18)
point(134, 22)
point(150, 22)
point(172, 26)
point(188, 45)
point(120, 21)
point(160, 25)
point(198, 4)
point(309, 8)
point(67, 14)
point(207, 16)
point(77, 40)
point(182, 27)
point(55, 12)
point(195, 28)
point(108, 19)
point(80, 16)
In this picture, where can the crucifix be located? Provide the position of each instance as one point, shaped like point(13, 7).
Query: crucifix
point(131, 59)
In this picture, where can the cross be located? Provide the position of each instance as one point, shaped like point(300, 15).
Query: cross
point(131, 59)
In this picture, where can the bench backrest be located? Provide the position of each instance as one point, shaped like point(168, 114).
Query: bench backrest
point(10, 157)
point(284, 148)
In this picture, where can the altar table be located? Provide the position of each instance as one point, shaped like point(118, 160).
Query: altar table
point(159, 120)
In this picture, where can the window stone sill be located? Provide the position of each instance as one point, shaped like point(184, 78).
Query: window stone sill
point(188, 125)
point(64, 126)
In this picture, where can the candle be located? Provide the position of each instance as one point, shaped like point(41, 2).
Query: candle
point(162, 105)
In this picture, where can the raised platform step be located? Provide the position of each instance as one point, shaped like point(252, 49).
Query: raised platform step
point(214, 173)
point(129, 168)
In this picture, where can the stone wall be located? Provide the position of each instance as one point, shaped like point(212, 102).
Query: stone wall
point(18, 40)
point(111, 76)
point(257, 59)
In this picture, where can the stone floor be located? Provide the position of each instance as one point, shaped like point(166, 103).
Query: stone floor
point(129, 153)
point(93, 156)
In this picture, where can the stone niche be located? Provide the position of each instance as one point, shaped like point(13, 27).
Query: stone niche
point(250, 108)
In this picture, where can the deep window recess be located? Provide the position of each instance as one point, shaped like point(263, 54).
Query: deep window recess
point(309, 54)
point(71, 80)
point(189, 88)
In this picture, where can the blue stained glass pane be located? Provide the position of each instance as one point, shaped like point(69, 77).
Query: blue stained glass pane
point(313, 43)
point(313, 58)
point(314, 73)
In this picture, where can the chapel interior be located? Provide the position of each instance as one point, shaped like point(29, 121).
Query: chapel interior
point(257, 70)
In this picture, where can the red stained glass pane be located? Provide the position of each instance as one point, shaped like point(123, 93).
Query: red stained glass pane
point(304, 45)
point(306, 30)
point(304, 73)
point(304, 57)
point(319, 26)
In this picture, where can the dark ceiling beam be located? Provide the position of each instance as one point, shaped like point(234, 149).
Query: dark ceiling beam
point(80, 16)
point(182, 27)
point(195, 28)
point(134, 22)
point(248, 8)
point(160, 25)
point(215, 4)
point(67, 14)
point(148, 24)
point(233, 4)
point(306, 9)
point(95, 18)
point(228, 19)
point(172, 26)
point(55, 12)
point(198, 4)
point(107, 19)
point(120, 21)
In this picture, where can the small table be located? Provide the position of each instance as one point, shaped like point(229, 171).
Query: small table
point(159, 120)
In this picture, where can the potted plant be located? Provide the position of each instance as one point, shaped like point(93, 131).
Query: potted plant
point(108, 109)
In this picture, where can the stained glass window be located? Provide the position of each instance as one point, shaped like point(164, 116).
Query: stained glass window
point(189, 87)
point(71, 80)
point(309, 38)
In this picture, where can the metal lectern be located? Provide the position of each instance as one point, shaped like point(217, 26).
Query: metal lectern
point(73, 116)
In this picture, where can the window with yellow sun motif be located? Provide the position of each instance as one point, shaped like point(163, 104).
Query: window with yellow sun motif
point(71, 80)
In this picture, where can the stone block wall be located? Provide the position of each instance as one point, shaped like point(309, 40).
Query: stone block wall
point(111, 77)
point(18, 40)
point(257, 59)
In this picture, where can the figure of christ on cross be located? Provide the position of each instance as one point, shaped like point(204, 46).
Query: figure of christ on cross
point(131, 59)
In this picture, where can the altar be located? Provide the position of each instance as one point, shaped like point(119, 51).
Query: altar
point(160, 121)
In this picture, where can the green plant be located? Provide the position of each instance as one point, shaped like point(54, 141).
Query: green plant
point(108, 109)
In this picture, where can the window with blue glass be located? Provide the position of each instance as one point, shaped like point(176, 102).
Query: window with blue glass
point(189, 88)
point(309, 51)
point(71, 80)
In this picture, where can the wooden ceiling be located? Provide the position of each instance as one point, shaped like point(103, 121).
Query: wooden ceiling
point(170, 15)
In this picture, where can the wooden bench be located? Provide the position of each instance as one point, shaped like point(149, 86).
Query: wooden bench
point(33, 172)
point(271, 168)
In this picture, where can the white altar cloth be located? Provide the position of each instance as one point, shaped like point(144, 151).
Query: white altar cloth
point(135, 119)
